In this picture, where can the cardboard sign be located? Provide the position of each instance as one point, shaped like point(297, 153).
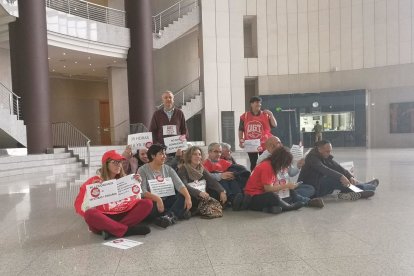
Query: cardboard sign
point(140, 141)
point(199, 185)
point(297, 152)
point(252, 145)
point(161, 186)
point(169, 130)
point(175, 143)
point(122, 243)
point(112, 190)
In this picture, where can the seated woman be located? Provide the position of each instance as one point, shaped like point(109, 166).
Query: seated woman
point(161, 184)
point(268, 186)
point(192, 171)
point(132, 163)
point(120, 218)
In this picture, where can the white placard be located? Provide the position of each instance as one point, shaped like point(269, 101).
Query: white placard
point(112, 190)
point(122, 243)
point(199, 185)
point(355, 188)
point(140, 141)
point(349, 166)
point(169, 130)
point(284, 193)
point(297, 152)
point(252, 145)
point(161, 186)
point(175, 143)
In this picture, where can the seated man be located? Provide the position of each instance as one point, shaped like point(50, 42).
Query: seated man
point(232, 177)
point(226, 153)
point(326, 175)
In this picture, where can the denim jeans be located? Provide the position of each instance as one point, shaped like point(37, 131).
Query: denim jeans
point(174, 204)
point(328, 185)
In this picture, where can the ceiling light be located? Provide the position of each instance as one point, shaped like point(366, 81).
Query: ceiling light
point(64, 66)
point(93, 70)
point(48, 58)
point(53, 70)
point(89, 57)
point(114, 61)
point(76, 62)
point(64, 53)
point(90, 64)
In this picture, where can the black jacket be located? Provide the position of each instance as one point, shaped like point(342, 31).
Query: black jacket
point(316, 167)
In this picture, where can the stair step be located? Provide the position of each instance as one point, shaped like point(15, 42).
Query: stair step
point(32, 157)
point(59, 168)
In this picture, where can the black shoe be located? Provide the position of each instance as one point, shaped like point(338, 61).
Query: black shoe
point(137, 230)
point(290, 207)
point(316, 202)
point(186, 215)
point(163, 221)
point(173, 218)
point(246, 202)
point(106, 235)
point(366, 194)
point(237, 202)
point(273, 210)
point(374, 182)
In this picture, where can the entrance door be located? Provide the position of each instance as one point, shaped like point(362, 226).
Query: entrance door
point(104, 123)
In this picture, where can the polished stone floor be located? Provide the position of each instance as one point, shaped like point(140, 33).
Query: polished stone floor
point(40, 234)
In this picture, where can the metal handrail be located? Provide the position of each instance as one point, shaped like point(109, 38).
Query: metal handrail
point(89, 11)
point(171, 14)
point(68, 136)
point(186, 93)
point(9, 100)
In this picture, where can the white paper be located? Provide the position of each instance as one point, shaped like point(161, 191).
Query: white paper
point(140, 141)
point(349, 166)
point(112, 190)
point(162, 187)
point(122, 243)
point(297, 152)
point(355, 188)
point(199, 185)
point(284, 193)
point(169, 130)
point(175, 143)
point(252, 145)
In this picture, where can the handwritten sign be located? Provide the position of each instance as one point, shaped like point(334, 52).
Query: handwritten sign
point(175, 143)
point(140, 141)
point(199, 185)
point(169, 130)
point(112, 190)
point(161, 186)
point(297, 152)
point(252, 145)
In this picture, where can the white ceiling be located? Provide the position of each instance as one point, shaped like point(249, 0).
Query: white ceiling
point(80, 65)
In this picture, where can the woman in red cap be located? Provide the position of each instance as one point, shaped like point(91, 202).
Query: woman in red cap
point(120, 218)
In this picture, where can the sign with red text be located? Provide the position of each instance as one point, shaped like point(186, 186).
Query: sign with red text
point(175, 143)
point(140, 141)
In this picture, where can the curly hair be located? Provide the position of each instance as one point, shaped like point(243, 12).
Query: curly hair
point(280, 159)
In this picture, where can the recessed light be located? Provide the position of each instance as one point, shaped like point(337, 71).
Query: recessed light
point(114, 61)
point(89, 57)
point(90, 64)
point(76, 62)
point(64, 66)
point(48, 58)
point(93, 70)
point(64, 53)
point(53, 70)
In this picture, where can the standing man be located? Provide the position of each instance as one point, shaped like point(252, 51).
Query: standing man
point(318, 131)
point(256, 124)
point(168, 121)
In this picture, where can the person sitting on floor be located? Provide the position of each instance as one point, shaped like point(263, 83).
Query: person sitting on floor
point(193, 171)
point(326, 175)
point(161, 184)
point(226, 153)
point(232, 177)
point(270, 192)
point(132, 163)
point(120, 218)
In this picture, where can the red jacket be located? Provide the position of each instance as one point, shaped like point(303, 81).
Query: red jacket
point(121, 206)
point(220, 166)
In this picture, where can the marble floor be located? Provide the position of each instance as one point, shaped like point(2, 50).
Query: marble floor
point(40, 234)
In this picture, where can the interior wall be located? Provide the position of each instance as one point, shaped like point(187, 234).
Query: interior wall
point(117, 4)
point(176, 65)
point(77, 102)
point(5, 69)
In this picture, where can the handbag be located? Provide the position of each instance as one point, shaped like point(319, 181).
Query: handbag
point(210, 208)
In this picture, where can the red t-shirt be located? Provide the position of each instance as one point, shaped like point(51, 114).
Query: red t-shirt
point(219, 166)
point(256, 127)
point(262, 175)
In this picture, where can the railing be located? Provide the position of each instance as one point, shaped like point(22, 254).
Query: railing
point(89, 11)
point(137, 128)
point(186, 93)
point(68, 136)
point(10, 101)
point(171, 14)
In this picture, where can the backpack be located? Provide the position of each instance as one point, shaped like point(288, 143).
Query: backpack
point(210, 208)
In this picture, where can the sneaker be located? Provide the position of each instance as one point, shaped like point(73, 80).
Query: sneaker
point(273, 210)
point(237, 202)
point(163, 221)
point(173, 218)
point(374, 182)
point(316, 202)
point(349, 196)
point(186, 215)
point(366, 194)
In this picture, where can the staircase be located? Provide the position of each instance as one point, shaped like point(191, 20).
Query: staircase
point(193, 106)
point(175, 22)
point(12, 129)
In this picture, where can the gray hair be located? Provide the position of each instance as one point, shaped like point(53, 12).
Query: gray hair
point(213, 145)
point(225, 146)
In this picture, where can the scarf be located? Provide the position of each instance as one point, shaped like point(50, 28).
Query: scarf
point(194, 173)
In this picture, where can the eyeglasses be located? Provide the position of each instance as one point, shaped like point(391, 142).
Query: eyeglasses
point(216, 151)
point(115, 162)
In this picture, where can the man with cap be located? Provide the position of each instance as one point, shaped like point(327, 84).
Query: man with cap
point(256, 124)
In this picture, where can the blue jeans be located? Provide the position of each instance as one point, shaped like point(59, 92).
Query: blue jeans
point(172, 204)
point(366, 186)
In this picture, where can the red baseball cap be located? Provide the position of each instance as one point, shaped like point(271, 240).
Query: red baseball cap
point(113, 155)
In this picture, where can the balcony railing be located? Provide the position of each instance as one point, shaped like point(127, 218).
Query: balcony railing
point(10, 101)
point(186, 93)
point(89, 11)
